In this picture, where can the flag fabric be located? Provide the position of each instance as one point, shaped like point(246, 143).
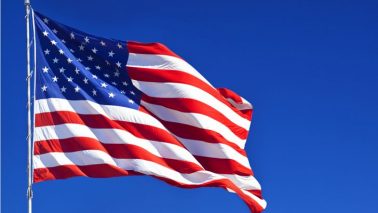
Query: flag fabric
point(106, 108)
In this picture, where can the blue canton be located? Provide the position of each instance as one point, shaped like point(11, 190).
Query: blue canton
point(78, 66)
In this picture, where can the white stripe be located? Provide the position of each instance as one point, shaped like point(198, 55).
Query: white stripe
point(90, 108)
point(194, 119)
point(213, 150)
point(244, 182)
point(114, 136)
point(163, 62)
point(240, 106)
point(178, 90)
point(92, 157)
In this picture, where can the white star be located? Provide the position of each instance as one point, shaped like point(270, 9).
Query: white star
point(104, 85)
point(53, 42)
point(72, 35)
point(55, 60)
point(94, 50)
point(63, 89)
point(119, 46)
point(124, 83)
point(116, 74)
point(102, 43)
point(111, 95)
point(90, 58)
point(106, 75)
point(45, 33)
point(44, 88)
point(55, 31)
point(87, 68)
point(123, 91)
point(79, 60)
point(46, 20)
point(69, 60)
point(81, 47)
point(63, 41)
point(72, 50)
point(111, 53)
point(131, 101)
point(86, 39)
point(114, 83)
point(55, 79)
point(85, 80)
point(45, 69)
point(62, 70)
point(77, 70)
point(69, 79)
point(132, 93)
point(98, 67)
point(94, 76)
point(77, 89)
point(107, 62)
point(118, 64)
point(94, 92)
point(47, 51)
point(61, 51)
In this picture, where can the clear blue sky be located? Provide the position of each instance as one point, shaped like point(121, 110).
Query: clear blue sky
point(309, 67)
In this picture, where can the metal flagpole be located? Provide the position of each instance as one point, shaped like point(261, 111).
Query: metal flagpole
point(28, 44)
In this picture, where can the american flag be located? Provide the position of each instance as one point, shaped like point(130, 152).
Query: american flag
point(106, 108)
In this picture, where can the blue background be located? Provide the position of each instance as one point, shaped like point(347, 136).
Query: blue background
point(309, 67)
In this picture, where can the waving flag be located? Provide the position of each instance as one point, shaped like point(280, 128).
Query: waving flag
point(106, 108)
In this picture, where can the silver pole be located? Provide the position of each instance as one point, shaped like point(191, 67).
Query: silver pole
point(28, 44)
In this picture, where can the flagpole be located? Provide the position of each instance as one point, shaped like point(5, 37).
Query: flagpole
point(28, 44)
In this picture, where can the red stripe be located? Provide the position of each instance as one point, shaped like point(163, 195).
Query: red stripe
point(149, 48)
point(99, 121)
point(227, 93)
point(105, 171)
point(121, 151)
point(230, 94)
point(67, 171)
point(156, 75)
point(248, 113)
point(224, 166)
point(256, 192)
point(194, 106)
